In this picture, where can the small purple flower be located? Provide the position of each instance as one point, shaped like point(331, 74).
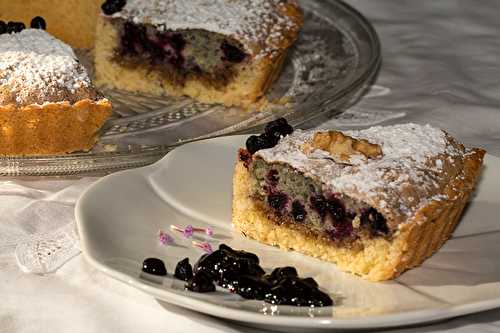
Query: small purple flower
point(189, 230)
point(165, 239)
point(209, 232)
point(206, 247)
point(186, 232)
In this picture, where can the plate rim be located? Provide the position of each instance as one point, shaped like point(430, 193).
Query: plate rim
point(405, 318)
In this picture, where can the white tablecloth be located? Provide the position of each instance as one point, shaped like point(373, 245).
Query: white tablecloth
point(441, 66)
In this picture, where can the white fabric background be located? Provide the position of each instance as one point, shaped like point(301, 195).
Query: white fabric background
point(441, 66)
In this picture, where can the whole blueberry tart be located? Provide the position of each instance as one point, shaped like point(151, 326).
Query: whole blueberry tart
point(376, 202)
point(48, 105)
point(216, 51)
point(72, 21)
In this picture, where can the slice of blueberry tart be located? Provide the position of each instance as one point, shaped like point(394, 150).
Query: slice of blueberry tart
point(376, 202)
point(48, 105)
point(215, 51)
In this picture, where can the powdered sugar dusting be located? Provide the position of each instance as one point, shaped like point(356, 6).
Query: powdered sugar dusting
point(260, 25)
point(35, 66)
point(408, 175)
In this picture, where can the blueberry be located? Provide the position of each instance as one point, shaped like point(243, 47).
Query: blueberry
point(279, 128)
point(264, 141)
point(232, 53)
point(297, 292)
point(283, 272)
point(277, 295)
point(317, 298)
point(210, 264)
point(375, 221)
point(178, 42)
point(226, 248)
point(273, 177)
point(253, 144)
point(310, 282)
point(183, 270)
point(3, 27)
point(268, 141)
point(340, 230)
point(229, 280)
point(251, 287)
point(277, 201)
point(38, 23)
point(336, 208)
point(201, 283)
point(298, 211)
point(154, 266)
point(14, 27)
point(318, 203)
point(113, 6)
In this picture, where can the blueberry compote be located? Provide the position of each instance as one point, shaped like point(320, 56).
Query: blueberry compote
point(241, 273)
point(209, 56)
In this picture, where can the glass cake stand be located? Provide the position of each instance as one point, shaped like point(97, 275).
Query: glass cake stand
point(329, 68)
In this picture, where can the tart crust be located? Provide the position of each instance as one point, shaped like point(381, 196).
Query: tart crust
point(51, 128)
point(72, 21)
point(374, 259)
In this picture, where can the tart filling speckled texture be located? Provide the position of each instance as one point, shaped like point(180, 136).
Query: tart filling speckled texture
point(376, 201)
point(48, 104)
point(226, 52)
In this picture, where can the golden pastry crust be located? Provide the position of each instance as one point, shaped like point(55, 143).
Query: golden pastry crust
point(48, 105)
point(72, 21)
point(51, 128)
point(251, 81)
point(375, 259)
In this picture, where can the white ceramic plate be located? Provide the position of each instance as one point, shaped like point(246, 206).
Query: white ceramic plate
point(119, 217)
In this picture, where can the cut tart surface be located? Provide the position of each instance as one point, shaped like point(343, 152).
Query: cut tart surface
point(48, 104)
point(376, 202)
point(217, 51)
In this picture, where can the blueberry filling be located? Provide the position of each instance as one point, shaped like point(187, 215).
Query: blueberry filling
point(232, 53)
point(375, 222)
point(340, 230)
point(299, 200)
point(277, 201)
point(240, 272)
point(272, 177)
point(336, 208)
point(298, 211)
point(318, 203)
point(180, 54)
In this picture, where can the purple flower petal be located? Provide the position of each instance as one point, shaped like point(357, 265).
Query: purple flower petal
point(206, 247)
point(165, 239)
point(209, 231)
point(188, 231)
